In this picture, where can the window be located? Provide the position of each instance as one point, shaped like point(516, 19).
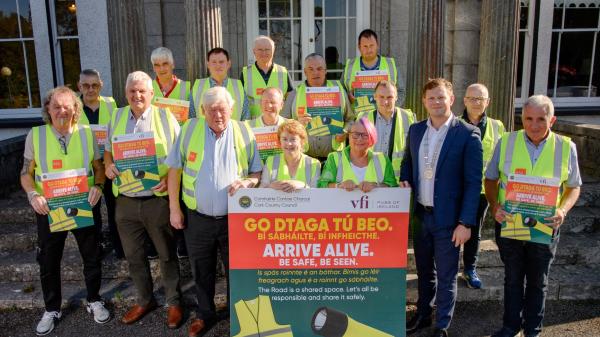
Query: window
point(19, 86)
point(66, 46)
point(301, 27)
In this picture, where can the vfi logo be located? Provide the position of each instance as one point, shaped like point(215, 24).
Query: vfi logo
point(363, 202)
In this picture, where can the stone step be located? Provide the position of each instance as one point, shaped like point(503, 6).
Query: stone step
point(121, 293)
point(22, 267)
point(590, 194)
point(566, 283)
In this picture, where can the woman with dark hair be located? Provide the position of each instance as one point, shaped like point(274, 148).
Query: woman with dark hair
point(357, 166)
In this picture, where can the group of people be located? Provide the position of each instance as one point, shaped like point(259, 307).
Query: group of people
point(214, 153)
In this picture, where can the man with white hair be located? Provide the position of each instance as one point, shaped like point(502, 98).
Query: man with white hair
point(295, 107)
point(214, 156)
point(263, 73)
point(146, 213)
point(534, 152)
point(166, 84)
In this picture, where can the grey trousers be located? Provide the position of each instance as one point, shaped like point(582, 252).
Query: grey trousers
point(135, 217)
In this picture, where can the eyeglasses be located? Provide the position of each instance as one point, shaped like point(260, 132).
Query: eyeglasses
point(476, 99)
point(63, 144)
point(357, 135)
point(88, 86)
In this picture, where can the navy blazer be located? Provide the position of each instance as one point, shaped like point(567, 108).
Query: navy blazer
point(457, 185)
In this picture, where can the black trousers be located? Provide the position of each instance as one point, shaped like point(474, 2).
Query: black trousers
point(49, 255)
point(204, 236)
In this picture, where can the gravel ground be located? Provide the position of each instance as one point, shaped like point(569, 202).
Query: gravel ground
point(563, 319)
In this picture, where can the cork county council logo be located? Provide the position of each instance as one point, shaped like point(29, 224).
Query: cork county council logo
point(245, 201)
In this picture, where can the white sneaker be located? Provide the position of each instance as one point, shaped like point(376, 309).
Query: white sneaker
point(46, 324)
point(101, 314)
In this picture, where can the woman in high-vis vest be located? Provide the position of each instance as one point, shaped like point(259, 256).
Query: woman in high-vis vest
point(292, 169)
point(60, 145)
point(357, 166)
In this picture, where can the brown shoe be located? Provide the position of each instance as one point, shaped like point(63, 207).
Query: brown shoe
point(137, 312)
point(174, 316)
point(196, 327)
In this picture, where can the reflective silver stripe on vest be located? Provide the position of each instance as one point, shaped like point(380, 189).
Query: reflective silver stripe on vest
point(109, 105)
point(188, 192)
point(270, 332)
point(396, 155)
point(340, 167)
point(43, 149)
point(238, 97)
point(392, 69)
point(252, 92)
point(246, 136)
point(279, 70)
point(84, 146)
point(348, 76)
point(404, 122)
point(378, 169)
point(510, 149)
point(198, 93)
point(558, 153)
point(308, 170)
point(190, 172)
point(275, 169)
point(165, 125)
point(186, 144)
point(161, 160)
point(397, 173)
point(182, 90)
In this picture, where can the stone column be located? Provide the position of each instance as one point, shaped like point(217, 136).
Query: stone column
point(425, 49)
point(127, 40)
point(498, 57)
point(203, 32)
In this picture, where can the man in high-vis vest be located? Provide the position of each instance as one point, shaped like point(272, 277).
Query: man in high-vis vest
point(442, 164)
point(391, 123)
point(218, 64)
point(61, 144)
point(535, 151)
point(271, 104)
point(166, 84)
point(97, 111)
point(263, 73)
point(476, 101)
point(145, 213)
point(319, 146)
point(213, 157)
point(368, 46)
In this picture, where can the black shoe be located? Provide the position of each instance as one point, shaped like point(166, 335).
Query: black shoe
point(417, 322)
point(504, 332)
point(439, 333)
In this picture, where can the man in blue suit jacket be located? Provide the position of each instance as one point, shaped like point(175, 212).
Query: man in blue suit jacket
point(442, 164)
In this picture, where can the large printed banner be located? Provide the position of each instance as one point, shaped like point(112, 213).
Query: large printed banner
point(67, 196)
point(319, 262)
point(267, 141)
point(135, 158)
point(364, 89)
point(530, 200)
point(324, 106)
point(180, 109)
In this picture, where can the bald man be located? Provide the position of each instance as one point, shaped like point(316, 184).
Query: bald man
point(476, 100)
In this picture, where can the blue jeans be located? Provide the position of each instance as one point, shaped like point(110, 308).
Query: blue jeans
point(471, 247)
point(437, 266)
point(526, 268)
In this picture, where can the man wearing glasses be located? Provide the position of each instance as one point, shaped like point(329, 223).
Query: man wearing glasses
point(97, 111)
point(476, 102)
point(263, 73)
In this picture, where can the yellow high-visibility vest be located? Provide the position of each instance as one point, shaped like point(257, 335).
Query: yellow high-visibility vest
point(256, 318)
point(404, 119)
point(234, 87)
point(307, 170)
point(254, 85)
point(191, 149)
point(49, 156)
point(375, 169)
point(107, 106)
point(164, 137)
